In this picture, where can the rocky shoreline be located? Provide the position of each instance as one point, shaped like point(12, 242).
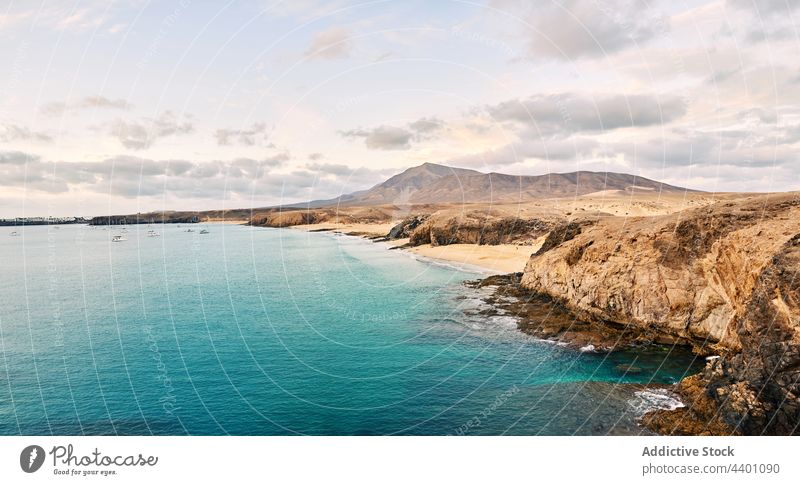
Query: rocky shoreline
point(722, 280)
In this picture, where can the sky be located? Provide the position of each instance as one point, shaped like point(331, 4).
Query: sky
point(137, 105)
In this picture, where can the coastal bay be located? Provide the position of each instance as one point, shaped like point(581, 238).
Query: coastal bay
point(253, 331)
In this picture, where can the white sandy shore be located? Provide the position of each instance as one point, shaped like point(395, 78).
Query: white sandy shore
point(503, 258)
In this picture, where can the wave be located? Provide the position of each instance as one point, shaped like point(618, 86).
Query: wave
point(653, 399)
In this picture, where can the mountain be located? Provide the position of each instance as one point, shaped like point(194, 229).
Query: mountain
point(430, 183)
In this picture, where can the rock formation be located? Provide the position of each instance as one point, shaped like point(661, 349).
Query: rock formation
point(724, 279)
point(477, 228)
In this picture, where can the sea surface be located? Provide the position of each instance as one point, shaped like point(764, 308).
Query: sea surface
point(255, 331)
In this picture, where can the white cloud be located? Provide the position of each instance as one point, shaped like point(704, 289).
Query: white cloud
point(387, 137)
point(573, 29)
point(12, 132)
point(245, 137)
point(142, 133)
point(570, 112)
point(333, 43)
point(58, 108)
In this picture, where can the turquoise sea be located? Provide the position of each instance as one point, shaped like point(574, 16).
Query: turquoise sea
point(254, 331)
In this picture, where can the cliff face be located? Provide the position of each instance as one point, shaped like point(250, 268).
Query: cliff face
point(476, 227)
point(725, 279)
point(297, 217)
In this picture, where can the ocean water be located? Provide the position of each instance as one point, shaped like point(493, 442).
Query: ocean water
point(254, 331)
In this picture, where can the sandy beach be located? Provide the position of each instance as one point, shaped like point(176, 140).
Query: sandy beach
point(361, 229)
point(501, 258)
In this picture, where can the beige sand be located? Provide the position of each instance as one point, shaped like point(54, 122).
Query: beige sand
point(503, 258)
point(224, 221)
point(361, 229)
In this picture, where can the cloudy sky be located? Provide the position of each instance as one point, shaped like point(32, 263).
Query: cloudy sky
point(139, 105)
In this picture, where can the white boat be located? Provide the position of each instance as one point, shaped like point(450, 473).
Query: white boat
point(152, 234)
point(118, 239)
point(14, 233)
point(204, 231)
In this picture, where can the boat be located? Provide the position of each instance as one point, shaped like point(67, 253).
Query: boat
point(152, 233)
point(14, 233)
point(204, 231)
point(190, 230)
point(118, 239)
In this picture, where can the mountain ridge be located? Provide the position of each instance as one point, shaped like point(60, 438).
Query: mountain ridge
point(432, 183)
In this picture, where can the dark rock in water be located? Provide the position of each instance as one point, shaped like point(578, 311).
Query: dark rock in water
point(549, 318)
point(628, 369)
point(496, 280)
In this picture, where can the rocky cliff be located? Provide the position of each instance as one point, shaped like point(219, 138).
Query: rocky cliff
point(477, 228)
point(722, 278)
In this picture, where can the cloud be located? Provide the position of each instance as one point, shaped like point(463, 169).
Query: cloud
point(765, 7)
point(426, 125)
point(333, 43)
point(330, 168)
point(572, 113)
point(761, 146)
point(141, 134)
point(383, 137)
point(573, 29)
point(56, 16)
point(387, 137)
point(17, 158)
point(346, 178)
point(132, 177)
point(766, 20)
point(252, 182)
point(89, 102)
point(248, 137)
point(549, 149)
point(12, 132)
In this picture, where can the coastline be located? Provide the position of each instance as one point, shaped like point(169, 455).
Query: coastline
point(491, 259)
point(719, 272)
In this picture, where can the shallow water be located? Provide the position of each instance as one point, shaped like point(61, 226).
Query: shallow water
point(264, 331)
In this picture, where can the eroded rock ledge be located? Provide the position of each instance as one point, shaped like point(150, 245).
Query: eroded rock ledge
point(724, 279)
